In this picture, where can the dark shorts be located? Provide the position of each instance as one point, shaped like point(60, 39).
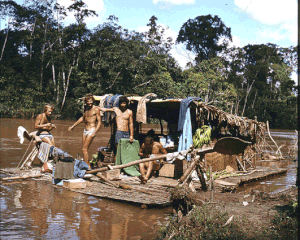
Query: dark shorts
point(121, 134)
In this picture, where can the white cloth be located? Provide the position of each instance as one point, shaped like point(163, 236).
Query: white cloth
point(171, 157)
point(21, 131)
point(141, 111)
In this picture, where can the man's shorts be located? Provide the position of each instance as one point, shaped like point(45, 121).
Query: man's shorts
point(121, 134)
point(46, 135)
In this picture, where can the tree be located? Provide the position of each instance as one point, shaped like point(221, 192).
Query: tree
point(205, 36)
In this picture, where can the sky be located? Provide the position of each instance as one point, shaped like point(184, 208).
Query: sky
point(251, 21)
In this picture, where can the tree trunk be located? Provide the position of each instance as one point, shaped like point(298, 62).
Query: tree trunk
point(4, 43)
point(246, 98)
point(66, 83)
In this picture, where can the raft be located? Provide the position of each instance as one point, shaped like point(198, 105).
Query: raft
point(154, 193)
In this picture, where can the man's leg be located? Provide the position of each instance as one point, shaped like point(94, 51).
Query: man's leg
point(149, 170)
point(86, 142)
point(48, 140)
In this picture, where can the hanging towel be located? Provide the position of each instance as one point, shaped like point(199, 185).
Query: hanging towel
point(128, 152)
point(141, 112)
point(44, 151)
point(186, 137)
point(184, 105)
point(21, 131)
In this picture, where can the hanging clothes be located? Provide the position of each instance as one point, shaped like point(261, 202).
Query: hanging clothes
point(44, 150)
point(102, 102)
point(184, 105)
point(186, 137)
point(141, 112)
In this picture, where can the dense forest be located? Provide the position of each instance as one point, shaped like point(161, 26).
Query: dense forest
point(44, 61)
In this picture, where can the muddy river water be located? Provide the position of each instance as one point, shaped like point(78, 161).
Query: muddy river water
point(34, 210)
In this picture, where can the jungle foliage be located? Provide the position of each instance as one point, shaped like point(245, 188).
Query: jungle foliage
point(44, 61)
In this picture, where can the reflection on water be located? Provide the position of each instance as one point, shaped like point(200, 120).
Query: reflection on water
point(36, 210)
point(33, 209)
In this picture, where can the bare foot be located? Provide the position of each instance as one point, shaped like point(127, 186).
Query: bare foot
point(143, 179)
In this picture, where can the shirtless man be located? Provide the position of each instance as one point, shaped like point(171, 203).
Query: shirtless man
point(150, 148)
point(124, 119)
point(44, 126)
point(91, 118)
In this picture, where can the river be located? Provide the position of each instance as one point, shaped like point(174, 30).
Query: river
point(34, 210)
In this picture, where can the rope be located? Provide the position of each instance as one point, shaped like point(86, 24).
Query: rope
point(25, 153)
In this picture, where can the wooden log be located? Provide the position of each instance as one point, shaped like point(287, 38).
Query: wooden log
point(127, 164)
point(238, 160)
point(139, 161)
point(99, 175)
point(211, 184)
point(120, 185)
point(190, 169)
point(20, 177)
point(201, 177)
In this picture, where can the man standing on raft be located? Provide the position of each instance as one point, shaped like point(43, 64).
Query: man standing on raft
point(124, 120)
point(92, 119)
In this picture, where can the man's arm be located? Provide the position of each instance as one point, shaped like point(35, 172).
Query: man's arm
point(106, 109)
point(80, 120)
point(98, 119)
point(130, 127)
point(141, 152)
point(162, 149)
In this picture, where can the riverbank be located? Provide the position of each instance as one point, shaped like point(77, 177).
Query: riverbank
point(257, 215)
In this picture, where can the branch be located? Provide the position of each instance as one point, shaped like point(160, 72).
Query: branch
point(143, 83)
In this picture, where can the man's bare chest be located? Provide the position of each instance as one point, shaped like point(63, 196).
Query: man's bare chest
point(123, 115)
point(90, 113)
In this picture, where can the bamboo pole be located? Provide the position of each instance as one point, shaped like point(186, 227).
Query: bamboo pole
point(278, 149)
point(211, 184)
point(141, 161)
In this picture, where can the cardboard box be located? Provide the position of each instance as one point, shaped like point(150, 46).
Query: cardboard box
point(112, 174)
point(173, 170)
point(75, 183)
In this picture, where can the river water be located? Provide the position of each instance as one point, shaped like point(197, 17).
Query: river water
point(34, 210)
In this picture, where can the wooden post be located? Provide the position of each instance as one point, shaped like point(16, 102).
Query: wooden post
point(201, 177)
point(211, 184)
point(240, 164)
point(190, 169)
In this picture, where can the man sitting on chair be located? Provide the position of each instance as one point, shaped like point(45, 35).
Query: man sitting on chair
point(150, 148)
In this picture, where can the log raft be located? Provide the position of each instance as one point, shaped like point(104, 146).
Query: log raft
point(154, 193)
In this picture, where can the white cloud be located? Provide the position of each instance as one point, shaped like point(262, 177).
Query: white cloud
point(175, 2)
point(294, 77)
point(282, 14)
point(97, 6)
point(269, 11)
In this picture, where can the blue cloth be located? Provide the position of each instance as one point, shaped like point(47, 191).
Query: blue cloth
point(120, 135)
point(186, 137)
point(80, 168)
point(184, 105)
point(61, 155)
point(110, 102)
